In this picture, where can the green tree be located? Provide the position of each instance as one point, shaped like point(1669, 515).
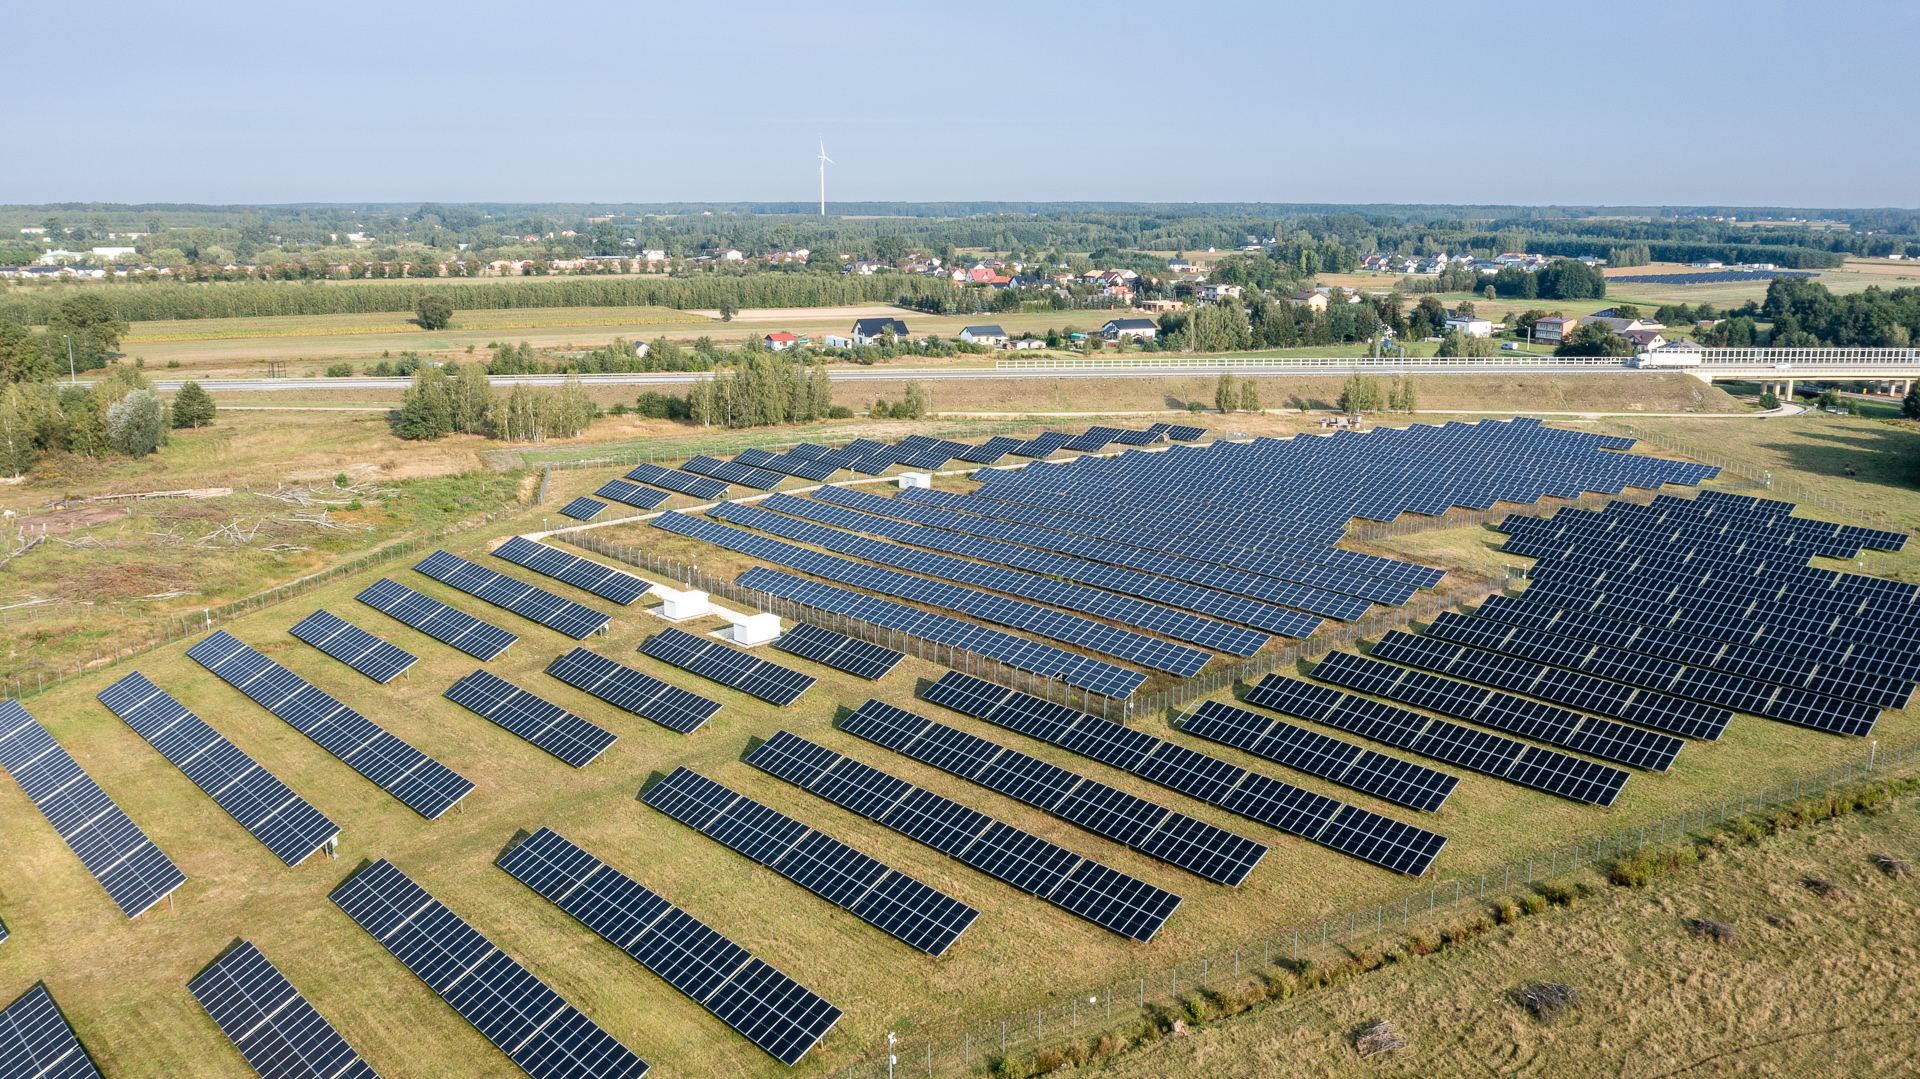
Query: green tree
point(472, 400)
point(1250, 396)
point(1769, 402)
point(23, 355)
point(18, 449)
point(426, 410)
point(1910, 404)
point(1404, 397)
point(136, 424)
point(192, 406)
point(1225, 395)
point(1490, 293)
point(1595, 339)
point(434, 312)
point(1828, 399)
point(727, 309)
point(916, 400)
point(1456, 343)
point(86, 425)
point(820, 387)
point(89, 315)
point(1361, 394)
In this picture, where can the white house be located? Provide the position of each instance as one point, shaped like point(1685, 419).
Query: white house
point(1215, 293)
point(1137, 328)
point(730, 255)
point(1471, 325)
point(1021, 344)
point(984, 335)
point(872, 331)
point(653, 254)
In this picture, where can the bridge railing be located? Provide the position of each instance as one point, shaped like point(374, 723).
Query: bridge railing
point(1175, 360)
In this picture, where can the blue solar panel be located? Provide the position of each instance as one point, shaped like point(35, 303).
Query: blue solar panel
point(561, 615)
point(582, 573)
point(583, 509)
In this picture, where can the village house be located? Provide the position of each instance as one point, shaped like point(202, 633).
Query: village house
point(984, 335)
point(1216, 293)
point(1553, 331)
point(1313, 299)
point(871, 331)
point(1471, 325)
point(1140, 329)
point(780, 342)
point(1022, 344)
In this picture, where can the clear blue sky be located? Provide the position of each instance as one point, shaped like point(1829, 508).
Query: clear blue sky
point(1735, 103)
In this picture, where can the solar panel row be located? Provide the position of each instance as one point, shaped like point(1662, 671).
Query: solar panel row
point(421, 783)
point(1542, 769)
point(626, 493)
point(1176, 593)
point(1501, 711)
point(1400, 782)
point(709, 658)
point(727, 471)
point(268, 809)
point(277, 1031)
point(134, 872)
point(770, 1009)
point(547, 725)
point(1095, 636)
point(1349, 829)
point(885, 898)
point(1168, 621)
point(1200, 848)
point(679, 482)
point(582, 573)
point(353, 646)
point(445, 624)
point(1112, 900)
point(37, 1043)
point(624, 687)
point(839, 651)
point(529, 1022)
point(583, 508)
point(508, 593)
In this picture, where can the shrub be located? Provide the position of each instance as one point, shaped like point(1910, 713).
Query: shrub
point(1560, 894)
point(1421, 944)
point(619, 408)
point(1642, 867)
point(839, 412)
point(1197, 1009)
point(1533, 904)
point(1507, 911)
point(340, 370)
point(136, 425)
point(355, 505)
point(1008, 1068)
point(173, 363)
point(1047, 1061)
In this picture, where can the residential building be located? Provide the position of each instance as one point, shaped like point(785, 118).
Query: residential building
point(834, 340)
point(1216, 293)
point(1621, 325)
point(1140, 329)
point(780, 342)
point(653, 254)
point(1161, 306)
point(1471, 325)
point(1554, 330)
point(1644, 340)
point(1310, 298)
point(1021, 344)
point(111, 253)
point(730, 255)
point(867, 267)
point(984, 335)
point(870, 331)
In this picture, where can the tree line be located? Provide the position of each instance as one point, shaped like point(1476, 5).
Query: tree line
point(119, 414)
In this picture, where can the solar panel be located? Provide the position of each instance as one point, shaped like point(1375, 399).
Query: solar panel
point(770, 1009)
point(268, 809)
point(1401, 782)
point(991, 450)
point(508, 593)
point(37, 1043)
point(883, 897)
point(1112, 900)
point(1042, 445)
point(1196, 846)
point(423, 784)
point(1382, 840)
point(680, 482)
point(353, 646)
point(585, 509)
point(643, 695)
point(529, 1022)
point(547, 725)
point(745, 475)
point(582, 573)
point(841, 652)
point(134, 872)
point(1249, 794)
point(1094, 439)
point(1186, 434)
point(631, 494)
point(445, 624)
point(728, 666)
point(277, 1031)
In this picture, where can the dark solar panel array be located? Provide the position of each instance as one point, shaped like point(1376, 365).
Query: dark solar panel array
point(445, 624)
point(624, 687)
point(810, 468)
point(353, 646)
point(1186, 434)
point(1295, 580)
point(1126, 905)
point(1502, 711)
point(709, 658)
point(627, 493)
point(134, 872)
point(1085, 673)
point(37, 1043)
point(774, 1012)
point(1169, 621)
point(990, 451)
point(523, 1017)
point(889, 900)
point(728, 472)
point(512, 594)
point(700, 487)
point(1247, 598)
point(1400, 782)
point(1155, 433)
point(541, 722)
point(1642, 707)
point(1542, 769)
point(1042, 445)
point(1093, 440)
point(583, 508)
point(582, 573)
point(1200, 848)
point(1381, 840)
point(276, 1030)
point(1179, 661)
point(423, 784)
point(839, 651)
point(268, 809)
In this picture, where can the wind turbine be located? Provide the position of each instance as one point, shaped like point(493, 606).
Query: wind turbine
point(824, 162)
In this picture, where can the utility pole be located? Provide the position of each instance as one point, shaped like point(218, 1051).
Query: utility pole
point(71, 377)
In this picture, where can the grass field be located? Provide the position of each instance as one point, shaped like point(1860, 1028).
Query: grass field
point(1815, 986)
point(123, 985)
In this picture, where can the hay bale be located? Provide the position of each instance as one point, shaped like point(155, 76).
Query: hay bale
point(1547, 1000)
point(1891, 866)
point(1717, 932)
point(1379, 1038)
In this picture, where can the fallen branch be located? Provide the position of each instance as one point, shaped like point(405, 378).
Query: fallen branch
point(1548, 1000)
point(1380, 1038)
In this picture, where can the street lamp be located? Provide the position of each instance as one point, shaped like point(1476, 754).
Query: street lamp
point(71, 377)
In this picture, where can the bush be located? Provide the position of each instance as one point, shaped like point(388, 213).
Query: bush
point(340, 370)
point(1507, 911)
point(1643, 867)
point(136, 426)
point(1533, 904)
point(173, 363)
point(1560, 894)
point(839, 412)
point(1008, 1068)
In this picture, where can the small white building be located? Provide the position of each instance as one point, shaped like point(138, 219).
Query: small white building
point(1138, 328)
point(653, 254)
point(112, 253)
point(984, 335)
point(1471, 325)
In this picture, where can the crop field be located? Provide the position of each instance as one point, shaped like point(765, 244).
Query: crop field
point(123, 984)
